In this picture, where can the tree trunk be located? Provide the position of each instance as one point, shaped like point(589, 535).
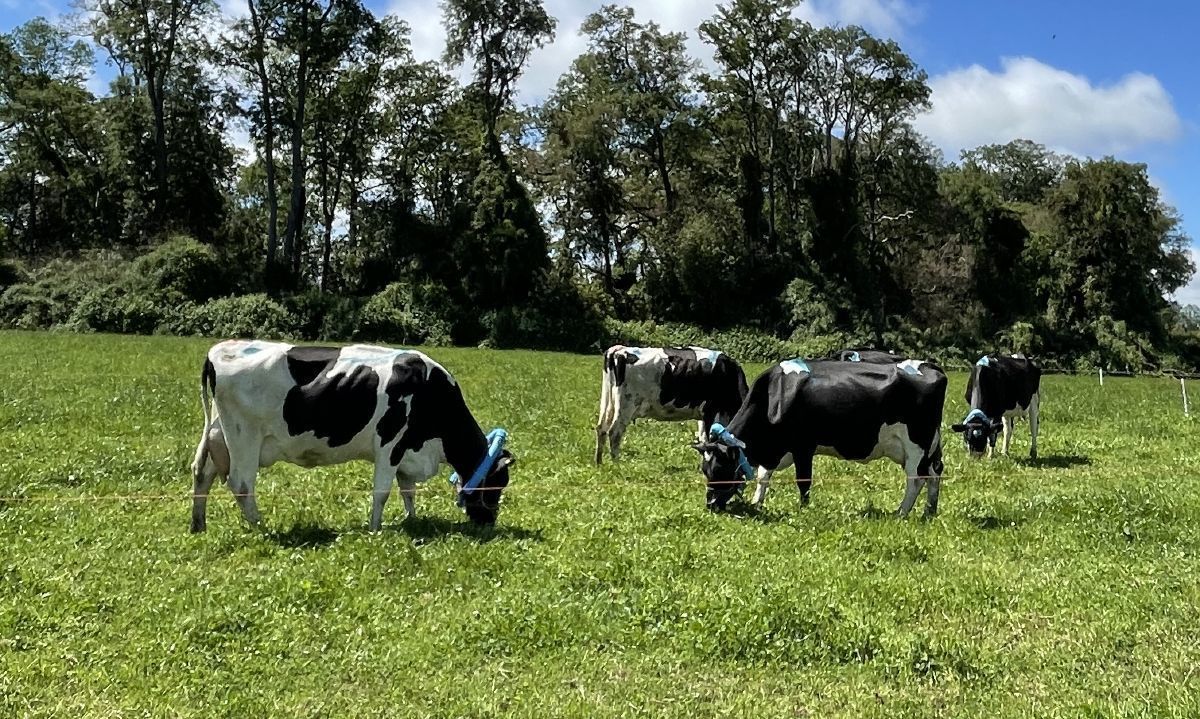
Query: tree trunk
point(157, 103)
point(268, 140)
point(660, 153)
point(294, 233)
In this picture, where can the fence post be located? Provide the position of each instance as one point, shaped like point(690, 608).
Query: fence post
point(1183, 390)
point(1101, 376)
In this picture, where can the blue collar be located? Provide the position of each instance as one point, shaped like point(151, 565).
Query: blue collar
point(976, 414)
point(718, 433)
point(496, 439)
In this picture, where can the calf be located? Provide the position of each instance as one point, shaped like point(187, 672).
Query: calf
point(669, 383)
point(316, 406)
point(851, 410)
point(1000, 389)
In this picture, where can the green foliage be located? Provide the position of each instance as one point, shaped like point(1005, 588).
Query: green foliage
point(324, 316)
point(180, 269)
point(556, 317)
point(1057, 589)
point(52, 291)
point(246, 316)
point(396, 315)
point(113, 309)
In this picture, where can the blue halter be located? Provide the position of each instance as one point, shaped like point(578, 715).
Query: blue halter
point(717, 432)
point(496, 439)
point(976, 414)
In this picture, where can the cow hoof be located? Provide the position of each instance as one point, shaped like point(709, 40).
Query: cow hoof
point(197, 528)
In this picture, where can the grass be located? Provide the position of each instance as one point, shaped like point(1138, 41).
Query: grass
point(1068, 587)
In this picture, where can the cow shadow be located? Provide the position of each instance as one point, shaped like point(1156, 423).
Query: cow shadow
point(305, 535)
point(1055, 461)
point(990, 522)
point(429, 528)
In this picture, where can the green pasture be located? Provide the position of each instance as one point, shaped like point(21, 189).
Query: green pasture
point(1068, 587)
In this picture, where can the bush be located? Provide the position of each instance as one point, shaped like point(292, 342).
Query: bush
point(256, 316)
point(323, 316)
point(744, 345)
point(395, 317)
point(556, 317)
point(810, 313)
point(180, 269)
point(108, 309)
point(11, 274)
point(50, 294)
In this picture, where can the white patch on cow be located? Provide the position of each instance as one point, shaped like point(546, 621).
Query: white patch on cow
point(763, 485)
point(794, 366)
point(910, 366)
point(704, 353)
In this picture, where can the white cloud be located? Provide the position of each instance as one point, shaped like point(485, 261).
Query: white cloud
point(1189, 294)
point(888, 18)
point(1031, 100)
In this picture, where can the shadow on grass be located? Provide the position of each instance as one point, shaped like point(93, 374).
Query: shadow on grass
point(303, 536)
point(988, 522)
point(429, 528)
point(1055, 461)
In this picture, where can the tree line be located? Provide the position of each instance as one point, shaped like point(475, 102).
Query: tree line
point(781, 191)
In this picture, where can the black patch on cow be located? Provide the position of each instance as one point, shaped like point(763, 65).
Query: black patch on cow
point(332, 408)
point(1004, 384)
point(615, 361)
point(717, 387)
point(841, 405)
point(437, 410)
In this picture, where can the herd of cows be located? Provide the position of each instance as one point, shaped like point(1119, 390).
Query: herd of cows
point(268, 402)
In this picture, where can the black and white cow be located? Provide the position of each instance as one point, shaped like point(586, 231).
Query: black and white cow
point(1000, 389)
point(858, 411)
point(665, 383)
point(315, 406)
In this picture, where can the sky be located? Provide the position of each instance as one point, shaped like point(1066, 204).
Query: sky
point(1087, 78)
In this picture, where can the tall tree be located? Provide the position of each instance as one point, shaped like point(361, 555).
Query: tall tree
point(152, 38)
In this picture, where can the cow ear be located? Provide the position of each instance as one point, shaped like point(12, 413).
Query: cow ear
point(702, 447)
point(959, 427)
point(997, 423)
point(506, 459)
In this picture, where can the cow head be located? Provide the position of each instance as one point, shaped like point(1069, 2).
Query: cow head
point(482, 504)
point(723, 462)
point(978, 431)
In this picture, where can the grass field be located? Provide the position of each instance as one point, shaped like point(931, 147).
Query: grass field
point(1066, 588)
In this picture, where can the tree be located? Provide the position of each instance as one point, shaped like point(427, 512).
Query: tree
point(497, 36)
point(152, 39)
point(1022, 170)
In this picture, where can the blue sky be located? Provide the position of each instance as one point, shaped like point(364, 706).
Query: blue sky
point(1085, 78)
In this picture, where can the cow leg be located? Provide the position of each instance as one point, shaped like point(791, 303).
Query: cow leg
point(408, 492)
point(804, 477)
point(762, 486)
point(600, 437)
point(931, 467)
point(385, 474)
point(701, 430)
point(913, 485)
point(212, 459)
point(1008, 433)
point(1033, 425)
point(243, 470)
point(616, 433)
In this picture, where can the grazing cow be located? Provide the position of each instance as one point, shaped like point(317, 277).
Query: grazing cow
point(668, 383)
point(316, 406)
point(1001, 388)
point(851, 410)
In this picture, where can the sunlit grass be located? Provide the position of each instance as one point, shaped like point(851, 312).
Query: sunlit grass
point(1064, 588)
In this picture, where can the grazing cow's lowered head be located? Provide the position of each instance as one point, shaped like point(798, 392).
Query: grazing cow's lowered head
point(480, 498)
point(979, 432)
point(724, 465)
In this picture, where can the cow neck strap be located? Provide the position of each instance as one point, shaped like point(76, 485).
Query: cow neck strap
point(495, 439)
point(718, 433)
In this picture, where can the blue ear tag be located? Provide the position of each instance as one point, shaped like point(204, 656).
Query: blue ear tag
point(496, 439)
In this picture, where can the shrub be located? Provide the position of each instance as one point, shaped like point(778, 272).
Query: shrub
point(323, 316)
point(243, 316)
point(556, 317)
point(108, 309)
point(393, 316)
point(180, 269)
point(49, 296)
point(810, 313)
point(11, 274)
point(744, 345)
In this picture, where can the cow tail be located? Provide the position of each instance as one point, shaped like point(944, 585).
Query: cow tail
point(608, 387)
point(208, 387)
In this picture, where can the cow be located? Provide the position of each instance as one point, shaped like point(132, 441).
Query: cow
point(1000, 389)
point(867, 355)
point(668, 384)
point(857, 411)
point(268, 402)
